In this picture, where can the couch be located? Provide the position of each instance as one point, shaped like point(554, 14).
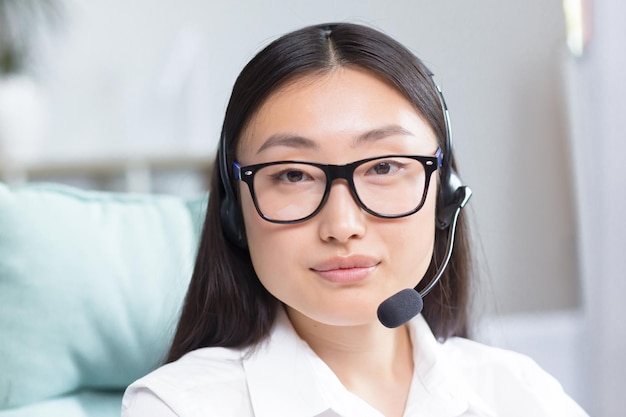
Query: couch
point(91, 284)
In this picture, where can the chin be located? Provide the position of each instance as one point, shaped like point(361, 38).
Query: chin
point(347, 317)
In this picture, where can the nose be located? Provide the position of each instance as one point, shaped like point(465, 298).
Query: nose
point(341, 218)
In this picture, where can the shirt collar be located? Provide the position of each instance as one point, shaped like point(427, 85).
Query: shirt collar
point(280, 379)
point(438, 389)
point(434, 391)
point(283, 376)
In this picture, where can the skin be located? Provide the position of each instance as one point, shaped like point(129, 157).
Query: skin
point(333, 271)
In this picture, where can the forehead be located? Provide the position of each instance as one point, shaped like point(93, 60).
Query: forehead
point(342, 102)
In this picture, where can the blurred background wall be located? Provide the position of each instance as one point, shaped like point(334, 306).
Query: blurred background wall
point(130, 96)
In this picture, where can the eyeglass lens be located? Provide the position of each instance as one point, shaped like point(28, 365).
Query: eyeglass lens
point(389, 186)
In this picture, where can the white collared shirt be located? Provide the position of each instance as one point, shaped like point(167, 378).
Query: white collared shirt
point(283, 377)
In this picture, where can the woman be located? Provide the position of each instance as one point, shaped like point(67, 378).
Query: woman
point(334, 191)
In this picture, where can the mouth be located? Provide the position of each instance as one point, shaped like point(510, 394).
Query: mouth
point(346, 270)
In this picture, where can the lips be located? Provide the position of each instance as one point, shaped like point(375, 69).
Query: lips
point(348, 269)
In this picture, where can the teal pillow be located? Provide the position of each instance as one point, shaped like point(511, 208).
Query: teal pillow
point(90, 286)
point(81, 404)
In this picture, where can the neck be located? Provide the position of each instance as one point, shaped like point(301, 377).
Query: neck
point(387, 353)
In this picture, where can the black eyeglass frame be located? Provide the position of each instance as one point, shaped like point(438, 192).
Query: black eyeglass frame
point(335, 172)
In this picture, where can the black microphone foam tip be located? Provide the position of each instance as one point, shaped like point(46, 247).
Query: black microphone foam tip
point(400, 308)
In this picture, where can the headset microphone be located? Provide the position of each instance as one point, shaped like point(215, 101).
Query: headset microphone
point(400, 308)
point(408, 303)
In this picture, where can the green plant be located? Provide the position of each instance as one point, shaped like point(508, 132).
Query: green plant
point(20, 21)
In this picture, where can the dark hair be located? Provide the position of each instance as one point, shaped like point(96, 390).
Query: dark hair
point(226, 305)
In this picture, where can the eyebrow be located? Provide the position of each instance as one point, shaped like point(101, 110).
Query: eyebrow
point(381, 133)
point(301, 142)
point(291, 141)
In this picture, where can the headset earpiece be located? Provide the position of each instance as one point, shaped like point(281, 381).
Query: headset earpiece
point(230, 214)
point(453, 195)
point(231, 222)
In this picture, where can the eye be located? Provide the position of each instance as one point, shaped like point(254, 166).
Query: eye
point(293, 175)
point(384, 168)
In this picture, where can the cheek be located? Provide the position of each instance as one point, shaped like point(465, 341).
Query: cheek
point(266, 245)
point(414, 241)
point(417, 248)
point(256, 227)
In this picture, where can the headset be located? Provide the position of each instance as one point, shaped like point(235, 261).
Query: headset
point(453, 195)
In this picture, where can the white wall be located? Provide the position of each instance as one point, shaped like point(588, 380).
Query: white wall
point(597, 92)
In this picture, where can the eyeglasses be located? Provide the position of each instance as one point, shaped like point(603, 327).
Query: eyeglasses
point(390, 186)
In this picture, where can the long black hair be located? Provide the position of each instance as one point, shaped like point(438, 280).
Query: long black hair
point(226, 305)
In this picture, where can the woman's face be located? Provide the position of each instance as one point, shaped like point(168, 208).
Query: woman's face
point(337, 267)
